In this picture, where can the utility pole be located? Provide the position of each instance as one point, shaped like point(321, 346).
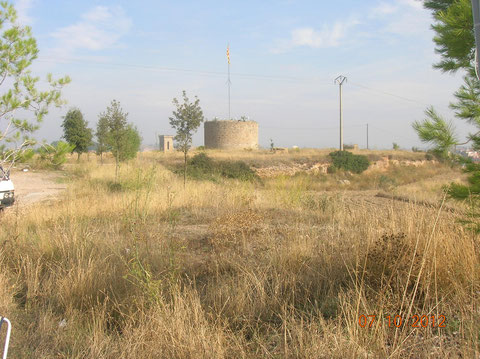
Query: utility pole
point(340, 80)
point(367, 136)
point(229, 83)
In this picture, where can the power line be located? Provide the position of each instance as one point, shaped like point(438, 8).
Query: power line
point(388, 94)
point(322, 81)
point(391, 133)
point(306, 128)
point(171, 69)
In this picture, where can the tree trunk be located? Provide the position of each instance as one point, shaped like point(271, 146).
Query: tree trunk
point(78, 156)
point(185, 169)
point(101, 158)
point(116, 166)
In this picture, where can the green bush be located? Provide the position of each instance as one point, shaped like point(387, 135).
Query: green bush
point(55, 156)
point(19, 156)
point(25, 155)
point(202, 162)
point(349, 162)
point(201, 167)
point(238, 169)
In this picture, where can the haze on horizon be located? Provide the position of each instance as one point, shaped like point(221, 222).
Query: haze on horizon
point(284, 58)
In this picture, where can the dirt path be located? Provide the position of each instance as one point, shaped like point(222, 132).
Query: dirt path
point(33, 186)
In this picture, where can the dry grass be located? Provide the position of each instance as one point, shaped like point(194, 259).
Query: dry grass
point(148, 269)
point(265, 158)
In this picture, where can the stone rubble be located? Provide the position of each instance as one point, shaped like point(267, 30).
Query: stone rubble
point(321, 167)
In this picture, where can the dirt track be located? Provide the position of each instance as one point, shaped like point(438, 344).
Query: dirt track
point(33, 186)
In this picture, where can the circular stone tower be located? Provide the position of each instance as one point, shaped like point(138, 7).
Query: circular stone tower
point(231, 134)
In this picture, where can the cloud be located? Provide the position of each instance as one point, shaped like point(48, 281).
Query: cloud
point(328, 36)
point(99, 29)
point(23, 7)
point(415, 4)
point(398, 17)
point(413, 19)
point(383, 9)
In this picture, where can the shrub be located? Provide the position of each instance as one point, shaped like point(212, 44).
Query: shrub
point(55, 156)
point(238, 169)
point(202, 162)
point(19, 156)
point(203, 167)
point(349, 162)
point(25, 156)
point(391, 263)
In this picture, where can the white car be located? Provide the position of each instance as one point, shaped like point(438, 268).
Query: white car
point(7, 190)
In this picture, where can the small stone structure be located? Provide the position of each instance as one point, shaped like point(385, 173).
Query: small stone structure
point(231, 134)
point(166, 143)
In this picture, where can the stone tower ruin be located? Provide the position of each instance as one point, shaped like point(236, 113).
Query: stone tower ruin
point(231, 134)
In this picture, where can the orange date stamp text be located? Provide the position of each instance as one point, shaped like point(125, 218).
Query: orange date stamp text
point(397, 321)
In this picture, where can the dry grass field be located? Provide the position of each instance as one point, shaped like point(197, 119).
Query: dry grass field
point(283, 267)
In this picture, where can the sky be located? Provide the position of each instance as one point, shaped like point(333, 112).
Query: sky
point(284, 55)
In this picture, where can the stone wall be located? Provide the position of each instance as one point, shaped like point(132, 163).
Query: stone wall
point(231, 135)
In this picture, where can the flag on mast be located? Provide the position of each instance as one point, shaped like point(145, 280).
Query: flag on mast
point(228, 54)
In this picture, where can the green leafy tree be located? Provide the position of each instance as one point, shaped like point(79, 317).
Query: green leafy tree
point(454, 36)
point(19, 96)
point(55, 155)
point(186, 120)
point(132, 144)
point(434, 130)
point(454, 40)
point(467, 106)
point(76, 131)
point(102, 137)
point(438, 5)
point(122, 138)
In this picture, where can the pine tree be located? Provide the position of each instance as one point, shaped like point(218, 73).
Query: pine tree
point(20, 92)
point(454, 36)
point(455, 42)
point(436, 131)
